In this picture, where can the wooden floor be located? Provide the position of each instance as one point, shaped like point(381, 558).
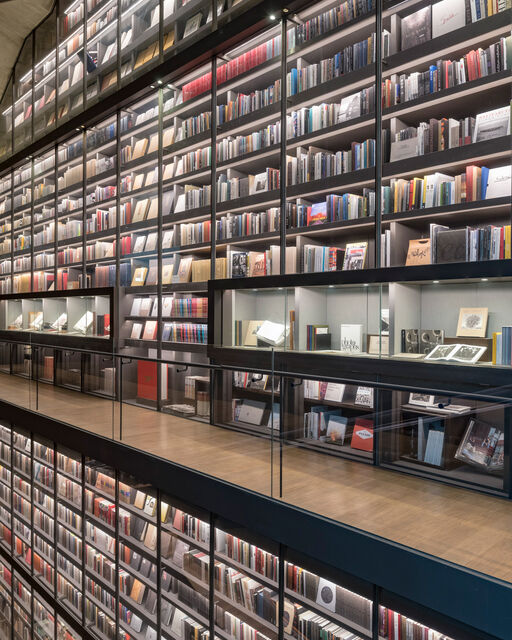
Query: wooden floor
point(458, 525)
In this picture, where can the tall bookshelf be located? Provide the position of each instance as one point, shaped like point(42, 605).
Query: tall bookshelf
point(106, 555)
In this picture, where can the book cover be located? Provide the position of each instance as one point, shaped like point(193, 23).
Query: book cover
point(416, 28)
point(447, 16)
point(147, 380)
point(351, 338)
point(317, 214)
point(362, 435)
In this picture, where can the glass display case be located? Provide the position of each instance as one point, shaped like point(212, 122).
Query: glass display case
point(445, 321)
point(85, 316)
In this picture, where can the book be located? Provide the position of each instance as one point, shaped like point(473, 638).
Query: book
point(251, 412)
point(418, 252)
point(464, 353)
point(492, 124)
point(192, 24)
point(416, 28)
point(479, 443)
point(150, 330)
point(447, 16)
point(336, 429)
point(355, 256)
point(272, 333)
point(499, 182)
point(139, 149)
point(351, 338)
point(362, 435)
point(139, 276)
point(364, 397)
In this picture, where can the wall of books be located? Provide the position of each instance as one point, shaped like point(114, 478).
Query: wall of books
point(126, 561)
point(128, 201)
point(72, 59)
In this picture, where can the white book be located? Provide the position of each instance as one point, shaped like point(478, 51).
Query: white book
point(136, 307)
point(251, 412)
point(61, 321)
point(85, 322)
point(272, 333)
point(447, 16)
point(334, 392)
point(351, 338)
point(499, 182)
point(492, 124)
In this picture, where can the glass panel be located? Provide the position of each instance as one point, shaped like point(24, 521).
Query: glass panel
point(22, 225)
point(23, 96)
point(101, 204)
point(43, 620)
point(43, 489)
point(71, 59)
point(187, 392)
point(101, 56)
point(43, 225)
point(70, 213)
point(139, 37)
point(6, 120)
point(248, 156)
point(315, 600)
point(100, 527)
point(138, 540)
point(184, 582)
point(330, 141)
point(262, 318)
point(455, 438)
point(45, 79)
point(5, 600)
point(5, 232)
point(138, 209)
point(445, 197)
point(5, 490)
point(22, 607)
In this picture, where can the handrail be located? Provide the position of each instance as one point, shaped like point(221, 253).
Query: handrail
point(487, 397)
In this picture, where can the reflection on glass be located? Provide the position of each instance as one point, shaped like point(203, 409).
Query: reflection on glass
point(45, 77)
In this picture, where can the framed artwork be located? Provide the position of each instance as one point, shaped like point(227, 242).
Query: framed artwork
point(472, 322)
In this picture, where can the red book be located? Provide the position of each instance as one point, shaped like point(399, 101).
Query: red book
point(362, 436)
point(147, 380)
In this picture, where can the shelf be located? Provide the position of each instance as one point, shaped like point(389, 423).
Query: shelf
point(481, 152)
point(331, 615)
point(459, 92)
point(448, 44)
point(359, 177)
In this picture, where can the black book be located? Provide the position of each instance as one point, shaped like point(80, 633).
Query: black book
point(416, 28)
point(451, 246)
point(135, 560)
point(138, 528)
point(145, 567)
point(238, 264)
point(150, 604)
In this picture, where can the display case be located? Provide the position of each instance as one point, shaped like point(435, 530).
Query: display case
point(450, 320)
point(54, 317)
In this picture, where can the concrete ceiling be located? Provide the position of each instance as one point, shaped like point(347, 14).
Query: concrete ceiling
point(17, 19)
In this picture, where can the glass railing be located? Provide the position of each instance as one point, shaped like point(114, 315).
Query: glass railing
point(325, 445)
point(279, 417)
